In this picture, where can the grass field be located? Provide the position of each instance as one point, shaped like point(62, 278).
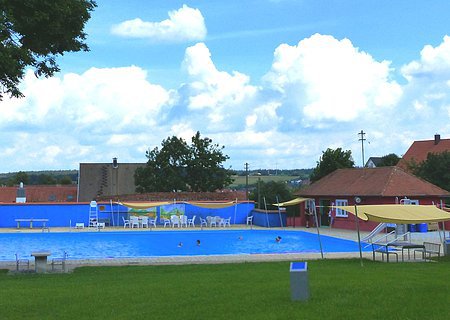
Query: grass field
point(339, 289)
point(253, 180)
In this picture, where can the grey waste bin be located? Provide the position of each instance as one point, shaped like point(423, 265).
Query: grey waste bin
point(299, 281)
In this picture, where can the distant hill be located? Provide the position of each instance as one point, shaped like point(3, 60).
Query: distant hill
point(48, 177)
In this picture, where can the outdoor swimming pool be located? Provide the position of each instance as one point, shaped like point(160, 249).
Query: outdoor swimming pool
point(103, 245)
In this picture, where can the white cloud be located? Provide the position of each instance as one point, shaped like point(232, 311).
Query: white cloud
point(70, 118)
point(434, 62)
point(184, 24)
point(219, 94)
point(325, 78)
point(285, 122)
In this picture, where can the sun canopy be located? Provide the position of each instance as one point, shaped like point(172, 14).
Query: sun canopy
point(146, 205)
point(212, 205)
point(143, 205)
point(398, 213)
point(292, 202)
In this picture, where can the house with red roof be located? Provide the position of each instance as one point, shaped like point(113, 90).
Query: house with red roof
point(383, 185)
point(419, 150)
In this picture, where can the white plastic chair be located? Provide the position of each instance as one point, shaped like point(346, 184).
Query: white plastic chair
point(216, 221)
point(144, 222)
point(250, 220)
point(126, 223)
point(175, 220)
point(152, 222)
point(167, 222)
point(203, 222)
point(21, 262)
point(191, 222)
point(134, 222)
point(183, 220)
point(225, 222)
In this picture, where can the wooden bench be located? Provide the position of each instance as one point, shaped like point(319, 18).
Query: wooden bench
point(44, 221)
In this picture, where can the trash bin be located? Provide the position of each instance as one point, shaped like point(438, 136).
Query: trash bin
point(299, 281)
point(422, 227)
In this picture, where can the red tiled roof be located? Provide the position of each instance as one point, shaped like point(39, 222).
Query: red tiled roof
point(382, 181)
point(419, 150)
point(41, 193)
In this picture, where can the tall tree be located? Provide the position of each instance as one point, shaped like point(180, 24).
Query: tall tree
point(179, 166)
point(435, 169)
point(272, 192)
point(204, 169)
point(166, 168)
point(389, 160)
point(34, 32)
point(330, 161)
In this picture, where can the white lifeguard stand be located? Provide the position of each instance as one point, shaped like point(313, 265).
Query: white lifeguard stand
point(93, 215)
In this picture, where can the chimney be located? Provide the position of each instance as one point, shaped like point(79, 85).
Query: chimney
point(437, 138)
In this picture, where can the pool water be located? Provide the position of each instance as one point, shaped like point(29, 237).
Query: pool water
point(102, 245)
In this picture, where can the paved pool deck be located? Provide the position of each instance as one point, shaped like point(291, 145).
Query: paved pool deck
point(417, 237)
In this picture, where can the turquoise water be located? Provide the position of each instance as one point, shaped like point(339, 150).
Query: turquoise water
point(102, 245)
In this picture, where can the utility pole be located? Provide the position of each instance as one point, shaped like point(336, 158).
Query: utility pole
point(362, 139)
point(246, 180)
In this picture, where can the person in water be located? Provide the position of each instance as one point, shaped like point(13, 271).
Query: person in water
point(198, 242)
point(278, 239)
point(180, 244)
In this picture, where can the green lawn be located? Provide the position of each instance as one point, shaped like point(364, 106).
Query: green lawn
point(340, 289)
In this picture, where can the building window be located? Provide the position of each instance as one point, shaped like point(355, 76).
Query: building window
point(340, 212)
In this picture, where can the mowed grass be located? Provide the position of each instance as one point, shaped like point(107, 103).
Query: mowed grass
point(339, 289)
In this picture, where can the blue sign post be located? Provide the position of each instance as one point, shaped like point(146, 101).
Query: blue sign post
point(299, 281)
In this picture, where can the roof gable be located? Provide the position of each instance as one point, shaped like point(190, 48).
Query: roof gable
point(419, 150)
point(381, 182)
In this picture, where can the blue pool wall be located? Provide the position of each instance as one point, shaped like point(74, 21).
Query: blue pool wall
point(268, 219)
point(67, 214)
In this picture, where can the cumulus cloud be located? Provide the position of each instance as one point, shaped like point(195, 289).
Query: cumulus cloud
point(221, 95)
point(286, 121)
point(184, 24)
point(96, 110)
point(434, 62)
point(325, 78)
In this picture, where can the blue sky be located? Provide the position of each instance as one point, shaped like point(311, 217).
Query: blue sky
point(275, 82)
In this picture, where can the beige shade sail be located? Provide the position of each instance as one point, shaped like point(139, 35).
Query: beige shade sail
point(212, 205)
point(292, 202)
point(398, 213)
point(143, 205)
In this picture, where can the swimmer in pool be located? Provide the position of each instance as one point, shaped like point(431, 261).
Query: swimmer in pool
point(278, 239)
point(240, 237)
point(180, 244)
point(198, 242)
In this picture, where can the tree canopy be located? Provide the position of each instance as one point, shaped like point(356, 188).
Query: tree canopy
point(178, 166)
point(435, 169)
point(272, 192)
point(331, 160)
point(34, 32)
point(389, 160)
